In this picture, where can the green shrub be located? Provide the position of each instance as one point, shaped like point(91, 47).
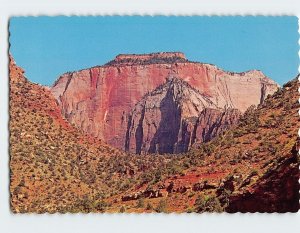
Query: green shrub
point(207, 204)
point(161, 207)
point(140, 203)
point(149, 207)
point(122, 209)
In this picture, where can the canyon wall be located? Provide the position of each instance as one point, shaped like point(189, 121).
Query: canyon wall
point(173, 117)
point(99, 100)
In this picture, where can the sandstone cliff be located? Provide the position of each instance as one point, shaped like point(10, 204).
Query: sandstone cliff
point(173, 117)
point(98, 100)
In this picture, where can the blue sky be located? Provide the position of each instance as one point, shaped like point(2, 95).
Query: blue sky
point(47, 47)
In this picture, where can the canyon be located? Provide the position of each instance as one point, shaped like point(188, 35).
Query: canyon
point(100, 100)
point(253, 166)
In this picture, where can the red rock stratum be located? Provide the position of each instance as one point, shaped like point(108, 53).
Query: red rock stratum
point(99, 100)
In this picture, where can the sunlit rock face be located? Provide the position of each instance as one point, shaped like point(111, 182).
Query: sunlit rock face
point(101, 100)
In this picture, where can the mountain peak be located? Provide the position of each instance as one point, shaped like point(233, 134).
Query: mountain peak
point(179, 87)
point(172, 117)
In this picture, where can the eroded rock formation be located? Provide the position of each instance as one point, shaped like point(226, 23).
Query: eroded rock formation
point(173, 117)
point(99, 100)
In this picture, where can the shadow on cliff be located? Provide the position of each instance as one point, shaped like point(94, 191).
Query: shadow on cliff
point(167, 133)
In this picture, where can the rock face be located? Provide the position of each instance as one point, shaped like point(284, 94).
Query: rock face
point(173, 117)
point(99, 100)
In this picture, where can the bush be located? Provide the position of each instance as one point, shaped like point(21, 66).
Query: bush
point(161, 207)
point(101, 206)
point(140, 203)
point(208, 204)
point(149, 207)
point(146, 178)
point(122, 209)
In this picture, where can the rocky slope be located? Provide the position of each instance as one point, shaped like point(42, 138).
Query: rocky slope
point(253, 167)
point(48, 156)
point(98, 100)
point(173, 117)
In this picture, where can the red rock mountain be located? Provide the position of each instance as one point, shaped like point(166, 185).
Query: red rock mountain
point(99, 100)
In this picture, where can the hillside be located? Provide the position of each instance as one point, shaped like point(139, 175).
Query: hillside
point(48, 156)
point(252, 167)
